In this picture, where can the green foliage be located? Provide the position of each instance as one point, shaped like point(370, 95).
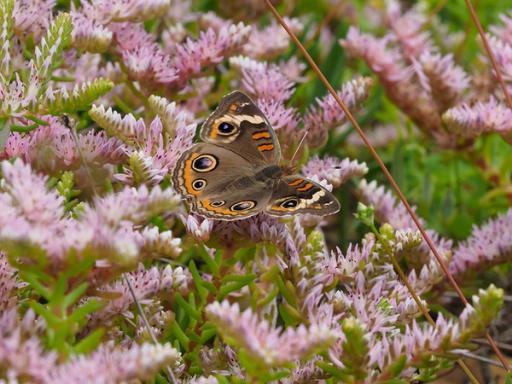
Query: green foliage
point(49, 51)
point(80, 98)
point(65, 187)
point(6, 33)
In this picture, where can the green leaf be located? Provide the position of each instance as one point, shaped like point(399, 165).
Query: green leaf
point(180, 335)
point(187, 307)
point(287, 292)
point(73, 296)
point(210, 262)
point(201, 290)
point(80, 98)
point(81, 312)
point(49, 51)
point(51, 319)
point(228, 288)
point(207, 333)
point(89, 343)
point(34, 282)
point(6, 31)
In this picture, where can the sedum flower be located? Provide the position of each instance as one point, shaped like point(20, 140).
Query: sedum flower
point(8, 284)
point(209, 49)
point(482, 117)
point(408, 29)
point(199, 227)
point(446, 81)
point(106, 11)
point(154, 149)
point(144, 59)
point(389, 210)
point(271, 41)
point(22, 355)
point(488, 245)
point(335, 171)
point(108, 364)
point(161, 244)
point(34, 218)
point(328, 114)
point(52, 148)
point(147, 286)
point(263, 345)
point(271, 88)
point(32, 17)
point(89, 34)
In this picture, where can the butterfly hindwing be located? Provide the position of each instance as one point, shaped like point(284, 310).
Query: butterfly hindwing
point(296, 194)
point(219, 184)
point(238, 124)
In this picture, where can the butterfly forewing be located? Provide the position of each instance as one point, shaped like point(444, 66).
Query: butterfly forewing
point(219, 184)
point(238, 124)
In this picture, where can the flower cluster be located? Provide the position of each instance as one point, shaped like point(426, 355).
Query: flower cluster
point(107, 274)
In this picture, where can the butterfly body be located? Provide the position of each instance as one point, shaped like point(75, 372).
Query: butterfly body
point(234, 173)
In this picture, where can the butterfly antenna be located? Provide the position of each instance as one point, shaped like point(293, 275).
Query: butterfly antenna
point(299, 146)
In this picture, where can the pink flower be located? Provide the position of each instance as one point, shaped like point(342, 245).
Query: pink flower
point(263, 80)
point(482, 117)
point(209, 49)
point(488, 245)
point(387, 63)
point(52, 148)
point(271, 41)
point(334, 170)
point(90, 35)
point(446, 81)
point(328, 114)
point(143, 57)
point(8, 285)
point(22, 357)
point(32, 16)
point(147, 286)
point(108, 364)
point(268, 346)
point(408, 29)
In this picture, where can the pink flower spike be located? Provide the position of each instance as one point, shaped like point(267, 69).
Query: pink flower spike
point(269, 346)
point(472, 121)
point(262, 80)
point(108, 364)
point(211, 48)
point(489, 244)
point(328, 114)
point(446, 80)
point(334, 170)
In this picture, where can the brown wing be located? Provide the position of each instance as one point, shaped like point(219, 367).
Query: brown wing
point(239, 125)
point(219, 184)
point(296, 194)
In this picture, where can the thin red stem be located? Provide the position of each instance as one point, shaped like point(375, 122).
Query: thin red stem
point(386, 172)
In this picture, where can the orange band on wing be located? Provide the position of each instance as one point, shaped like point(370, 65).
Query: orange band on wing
point(214, 132)
point(265, 147)
point(187, 177)
point(220, 210)
point(261, 135)
point(296, 182)
point(305, 188)
point(281, 209)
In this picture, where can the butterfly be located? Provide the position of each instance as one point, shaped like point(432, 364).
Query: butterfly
point(234, 172)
